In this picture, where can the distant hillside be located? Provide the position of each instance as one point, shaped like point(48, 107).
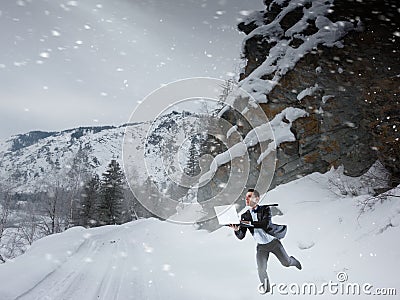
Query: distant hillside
point(32, 161)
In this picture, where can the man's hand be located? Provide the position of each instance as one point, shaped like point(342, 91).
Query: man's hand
point(235, 227)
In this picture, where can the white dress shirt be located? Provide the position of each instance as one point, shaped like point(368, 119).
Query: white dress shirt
point(260, 236)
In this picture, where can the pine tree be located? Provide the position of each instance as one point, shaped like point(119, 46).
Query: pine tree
point(111, 192)
point(192, 166)
point(89, 200)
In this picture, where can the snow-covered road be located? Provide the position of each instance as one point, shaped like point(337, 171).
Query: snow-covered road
point(99, 268)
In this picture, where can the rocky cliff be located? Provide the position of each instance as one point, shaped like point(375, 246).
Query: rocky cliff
point(346, 76)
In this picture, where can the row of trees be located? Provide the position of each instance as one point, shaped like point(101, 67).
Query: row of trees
point(73, 197)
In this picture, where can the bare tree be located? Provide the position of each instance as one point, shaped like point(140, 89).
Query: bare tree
point(28, 228)
point(63, 185)
point(13, 245)
point(227, 87)
point(53, 208)
point(77, 175)
point(5, 209)
point(373, 182)
point(131, 205)
point(369, 203)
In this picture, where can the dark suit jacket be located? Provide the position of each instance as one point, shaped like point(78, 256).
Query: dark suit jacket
point(264, 222)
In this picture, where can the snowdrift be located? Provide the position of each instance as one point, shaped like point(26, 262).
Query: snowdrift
point(152, 259)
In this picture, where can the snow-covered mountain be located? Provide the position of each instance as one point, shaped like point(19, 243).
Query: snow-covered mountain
point(31, 162)
point(151, 259)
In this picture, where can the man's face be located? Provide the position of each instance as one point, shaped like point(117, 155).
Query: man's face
point(251, 200)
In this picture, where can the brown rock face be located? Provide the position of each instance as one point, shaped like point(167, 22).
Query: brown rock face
point(354, 111)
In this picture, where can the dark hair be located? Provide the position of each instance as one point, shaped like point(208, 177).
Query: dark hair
point(255, 192)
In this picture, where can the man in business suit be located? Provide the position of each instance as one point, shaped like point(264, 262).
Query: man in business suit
point(266, 234)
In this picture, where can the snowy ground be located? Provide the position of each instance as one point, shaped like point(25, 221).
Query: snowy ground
point(151, 259)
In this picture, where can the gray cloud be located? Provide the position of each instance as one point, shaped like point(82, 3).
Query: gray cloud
point(70, 63)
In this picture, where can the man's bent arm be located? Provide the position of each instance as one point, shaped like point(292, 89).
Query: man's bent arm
point(241, 233)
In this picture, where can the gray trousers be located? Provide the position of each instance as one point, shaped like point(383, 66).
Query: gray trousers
point(263, 250)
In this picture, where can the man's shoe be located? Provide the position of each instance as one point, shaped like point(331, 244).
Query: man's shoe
point(297, 263)
point(261, 288)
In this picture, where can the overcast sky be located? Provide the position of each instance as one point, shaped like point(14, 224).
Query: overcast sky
point(65, 64)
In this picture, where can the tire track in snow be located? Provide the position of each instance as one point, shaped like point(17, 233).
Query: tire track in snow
point(101, 268)
point(115, 265)
point(39, 289)
point(111, 283)
point(71, 278)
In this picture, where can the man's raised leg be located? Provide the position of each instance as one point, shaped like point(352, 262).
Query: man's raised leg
point(283, 257)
